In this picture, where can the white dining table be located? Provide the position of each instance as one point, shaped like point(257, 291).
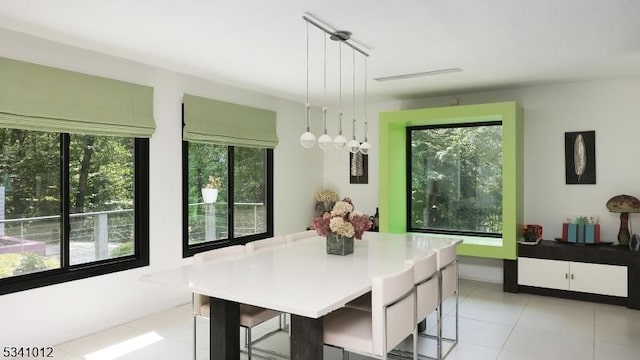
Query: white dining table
point(298, 278)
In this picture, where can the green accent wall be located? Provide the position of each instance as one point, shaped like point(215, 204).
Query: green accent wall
point(393, 165)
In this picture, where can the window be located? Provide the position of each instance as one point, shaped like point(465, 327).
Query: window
point(455, 175)
point(71, 206)
point(227, 148)
point(241, 210)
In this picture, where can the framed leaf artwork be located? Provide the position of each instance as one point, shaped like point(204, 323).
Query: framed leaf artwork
point(358, 168)
point(580, 157)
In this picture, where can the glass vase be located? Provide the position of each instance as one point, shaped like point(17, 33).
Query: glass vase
point(338, 244)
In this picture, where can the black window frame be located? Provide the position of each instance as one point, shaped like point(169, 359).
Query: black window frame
point(192, 249)
point(67, 272)
point(408, 156)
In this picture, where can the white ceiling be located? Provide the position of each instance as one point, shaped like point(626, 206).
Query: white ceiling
point(260, 45)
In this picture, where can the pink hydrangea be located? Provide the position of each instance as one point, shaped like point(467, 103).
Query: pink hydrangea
point(342, 220)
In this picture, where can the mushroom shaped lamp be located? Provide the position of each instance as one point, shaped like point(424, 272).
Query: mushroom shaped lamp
point(624, 204)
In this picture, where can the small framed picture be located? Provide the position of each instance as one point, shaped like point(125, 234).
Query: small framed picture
point(358, 168)
point(580, 157)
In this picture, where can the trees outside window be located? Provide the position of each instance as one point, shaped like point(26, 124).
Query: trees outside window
point(455, 177)
point(242, 209)
point(71, 206)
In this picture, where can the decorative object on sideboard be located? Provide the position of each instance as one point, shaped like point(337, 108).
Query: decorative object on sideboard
point(532, 232)
point(375, 221)
point(634, 243)
point(581, 230)
point(624, 204)
point(340, 226)
point(210, 193)
point(580, 157)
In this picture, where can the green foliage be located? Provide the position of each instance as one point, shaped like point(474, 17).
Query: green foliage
point(457, 178)
point(100, 178)
point(8, 264)
point(206, 160)
point(30, 262)
point(15, 264)
point(249, 186)
point(29, 164)
point(123, 250)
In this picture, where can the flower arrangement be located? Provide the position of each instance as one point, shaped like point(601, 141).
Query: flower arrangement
point(326, 195)
point(342, 220)
point(214, 182)
point(325, 200)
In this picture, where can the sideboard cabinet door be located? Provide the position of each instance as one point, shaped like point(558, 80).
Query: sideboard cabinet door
point(552, 274)
point(598, 279)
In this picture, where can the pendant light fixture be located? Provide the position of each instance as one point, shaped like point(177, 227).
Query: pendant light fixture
point(354, 145)
point(365, 146)
point(307, 139)
point(340, 141)
point(324, 141)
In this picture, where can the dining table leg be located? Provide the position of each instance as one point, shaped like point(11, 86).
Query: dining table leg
point(224, 334)
point(307, 338)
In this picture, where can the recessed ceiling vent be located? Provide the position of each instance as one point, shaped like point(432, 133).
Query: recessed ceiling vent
point(418, 74)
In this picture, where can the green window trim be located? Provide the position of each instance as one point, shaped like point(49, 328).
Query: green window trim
point(393, 166)
point(42, 98)
point(218, 122)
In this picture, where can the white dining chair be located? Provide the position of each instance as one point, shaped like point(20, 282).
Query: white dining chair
point(265, 243)
point(250, 316)
point(426, 284)
point(448, 285)
point(375, 333)
point(301, 235)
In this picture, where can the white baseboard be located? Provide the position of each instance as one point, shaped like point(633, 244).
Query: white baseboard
point(481, 269)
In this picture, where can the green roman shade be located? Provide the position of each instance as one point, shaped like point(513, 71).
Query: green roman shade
point(36, 97)
point(223, 123)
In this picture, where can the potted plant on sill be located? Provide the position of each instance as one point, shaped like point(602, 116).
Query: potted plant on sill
point(210, 193)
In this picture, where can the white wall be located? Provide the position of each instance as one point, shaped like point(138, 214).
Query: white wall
point(54, 314)
point(336, 163)
point(608, 106)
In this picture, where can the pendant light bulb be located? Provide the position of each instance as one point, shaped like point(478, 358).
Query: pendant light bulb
point(307, 139)
point(324, 141)
point(354, 146)
point(365, 147)
point(340, 142)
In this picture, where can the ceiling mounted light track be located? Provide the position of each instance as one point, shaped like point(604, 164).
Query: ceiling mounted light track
point(336, 35)
point(418, 74)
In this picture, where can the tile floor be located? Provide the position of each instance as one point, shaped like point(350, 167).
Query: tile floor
point(493, 325)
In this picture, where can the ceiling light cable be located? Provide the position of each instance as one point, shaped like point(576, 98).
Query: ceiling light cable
point(307, 139)
point(365, 146)
point(324, 141)
point(340, 141)
point(354, 145)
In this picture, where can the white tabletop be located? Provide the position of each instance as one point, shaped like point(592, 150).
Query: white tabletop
point(300, 277)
